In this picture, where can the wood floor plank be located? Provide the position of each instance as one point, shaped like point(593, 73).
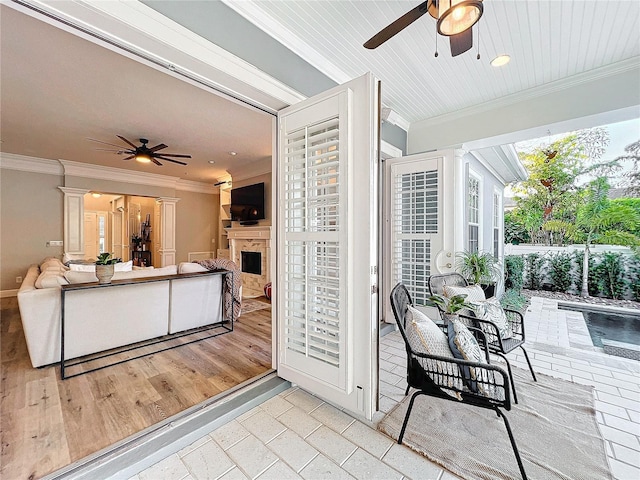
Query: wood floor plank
point(47, 423)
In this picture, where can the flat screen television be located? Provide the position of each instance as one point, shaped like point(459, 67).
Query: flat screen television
point(247, 204)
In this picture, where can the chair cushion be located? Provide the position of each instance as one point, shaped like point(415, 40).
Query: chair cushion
point(474, 293)
point(464, 345)
point(492, 311)
point(425, 336)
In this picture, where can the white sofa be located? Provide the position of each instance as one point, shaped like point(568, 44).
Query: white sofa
point(103, 318)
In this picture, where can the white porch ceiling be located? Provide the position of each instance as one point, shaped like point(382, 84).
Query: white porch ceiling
point(548, 41)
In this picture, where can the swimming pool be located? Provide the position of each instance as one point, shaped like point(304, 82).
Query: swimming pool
point(610, 325)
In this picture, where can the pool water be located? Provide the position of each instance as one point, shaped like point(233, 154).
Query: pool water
point(617, 326)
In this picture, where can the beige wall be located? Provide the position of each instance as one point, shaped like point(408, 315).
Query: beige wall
point(196, 223)
point(30, 215)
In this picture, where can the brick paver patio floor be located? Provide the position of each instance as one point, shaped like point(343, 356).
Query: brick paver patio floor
point(559, 345)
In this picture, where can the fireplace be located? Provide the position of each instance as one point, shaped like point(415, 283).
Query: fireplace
point(251, 262)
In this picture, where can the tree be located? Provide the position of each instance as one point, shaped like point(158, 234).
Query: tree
point(601, 221)
point(633, 177)
point(548, 199)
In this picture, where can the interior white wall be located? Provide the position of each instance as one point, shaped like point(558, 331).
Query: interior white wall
point(616, 90)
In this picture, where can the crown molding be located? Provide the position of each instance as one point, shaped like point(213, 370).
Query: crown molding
point(196, 187)
point(24, 163)
point(253, 169)
point(86, 170)
point(536, 92)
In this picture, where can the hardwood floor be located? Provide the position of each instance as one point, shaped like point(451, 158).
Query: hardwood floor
point(47, 423)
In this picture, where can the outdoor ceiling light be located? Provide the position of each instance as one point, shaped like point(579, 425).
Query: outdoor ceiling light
point(456, 16)
point(96, 195)
point(500, 60)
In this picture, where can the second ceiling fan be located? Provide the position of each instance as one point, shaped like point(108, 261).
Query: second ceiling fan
point(454, 20)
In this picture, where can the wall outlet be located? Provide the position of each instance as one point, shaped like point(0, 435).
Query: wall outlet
point(18, 279)
point(54, 243)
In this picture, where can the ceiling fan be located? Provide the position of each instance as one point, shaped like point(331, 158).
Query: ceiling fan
point(454, 20)
point(142, 153)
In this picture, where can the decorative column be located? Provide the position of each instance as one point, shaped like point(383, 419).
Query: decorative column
point(167, 219)
point(73, 222)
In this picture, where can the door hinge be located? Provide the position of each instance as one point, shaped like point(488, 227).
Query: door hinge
point(374, 289)
point(374, 270)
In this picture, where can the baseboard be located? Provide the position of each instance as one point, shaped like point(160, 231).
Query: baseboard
point(130, 456)
point(8, 293)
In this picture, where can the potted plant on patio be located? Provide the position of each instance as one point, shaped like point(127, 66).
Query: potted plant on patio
point(105, 267)
point(480, 268)
point(450, 307)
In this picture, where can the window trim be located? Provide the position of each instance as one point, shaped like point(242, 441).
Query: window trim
point(478, 178)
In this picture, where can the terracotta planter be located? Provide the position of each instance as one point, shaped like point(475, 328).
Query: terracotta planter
point(104, 273)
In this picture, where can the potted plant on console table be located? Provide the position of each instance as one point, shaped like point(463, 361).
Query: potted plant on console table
point(104, 267)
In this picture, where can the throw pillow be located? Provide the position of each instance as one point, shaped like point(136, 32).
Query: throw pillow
point(464, 345)
point(415, 315)
point(425, 336)
point(474, 293)
point(492, 311)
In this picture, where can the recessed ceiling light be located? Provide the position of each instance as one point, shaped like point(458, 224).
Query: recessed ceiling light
point(233, 154)
point(212, 162)
point(500, 60)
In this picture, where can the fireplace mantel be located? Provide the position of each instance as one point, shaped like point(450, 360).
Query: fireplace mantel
point(257, 232)
point(251, 239)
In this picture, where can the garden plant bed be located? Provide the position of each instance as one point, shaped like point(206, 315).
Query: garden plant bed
point(567, 297)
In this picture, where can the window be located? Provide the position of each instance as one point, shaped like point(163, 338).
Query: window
point(473, 213)
point(496, 223)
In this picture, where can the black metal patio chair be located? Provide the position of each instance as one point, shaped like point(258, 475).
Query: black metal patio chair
point(497, 345)
point(441, 377)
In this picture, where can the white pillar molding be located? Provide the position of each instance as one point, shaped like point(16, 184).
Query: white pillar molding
point(73, 222)
point(167, 247)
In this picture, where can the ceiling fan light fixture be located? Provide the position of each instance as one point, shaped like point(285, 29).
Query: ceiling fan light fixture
point(143, 158)
point(456, 16)
point(500, 60)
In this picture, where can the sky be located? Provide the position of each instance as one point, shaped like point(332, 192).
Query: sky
point(621, 134)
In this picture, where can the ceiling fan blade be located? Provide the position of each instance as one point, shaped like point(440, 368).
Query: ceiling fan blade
point(169, 160)
point(126, 141)
point(106, 143)
point(129, 157)
point(156, 162)
point(461, 42)
point(177, 155)
point(397, 26)
point(108, 150)
point(160, 146)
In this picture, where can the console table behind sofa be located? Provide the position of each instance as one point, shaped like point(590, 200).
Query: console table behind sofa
point(100, 317)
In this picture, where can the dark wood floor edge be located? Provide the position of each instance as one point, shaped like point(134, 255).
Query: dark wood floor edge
point(130, 456)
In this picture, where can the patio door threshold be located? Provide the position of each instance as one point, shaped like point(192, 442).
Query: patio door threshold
point(147, 447)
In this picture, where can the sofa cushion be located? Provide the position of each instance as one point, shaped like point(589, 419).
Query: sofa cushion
point(91, 267)
point(51, 278)
point(87, 277)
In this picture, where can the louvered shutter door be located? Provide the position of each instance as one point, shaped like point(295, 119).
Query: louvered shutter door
point(415, 224)
point(314, 171)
